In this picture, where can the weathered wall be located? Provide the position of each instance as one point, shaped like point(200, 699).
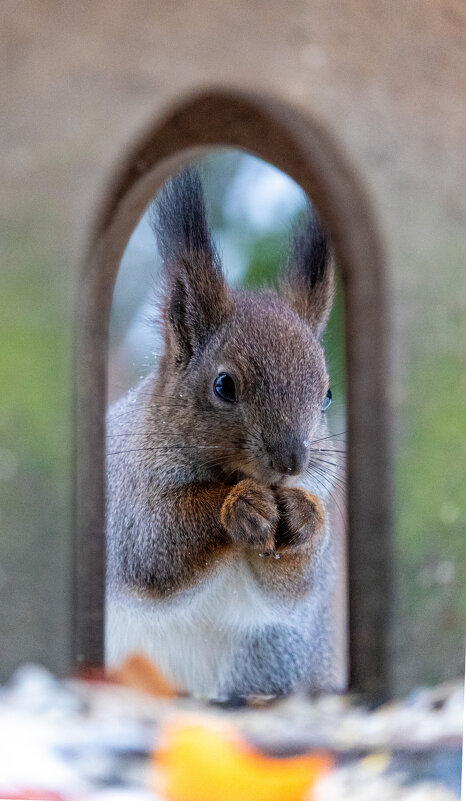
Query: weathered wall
point(79, 79)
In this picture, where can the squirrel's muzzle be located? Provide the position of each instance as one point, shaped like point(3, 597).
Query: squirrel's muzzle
point(288, 456)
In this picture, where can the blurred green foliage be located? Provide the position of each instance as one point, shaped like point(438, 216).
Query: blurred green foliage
point(35, 442)
point(431, 520)
point(266, 258)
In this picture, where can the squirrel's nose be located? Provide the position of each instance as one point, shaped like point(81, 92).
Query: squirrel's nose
point(288, 457)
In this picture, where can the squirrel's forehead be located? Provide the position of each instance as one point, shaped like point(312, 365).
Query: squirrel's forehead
point(274, 348)
point(267, 318)
point(279, 330)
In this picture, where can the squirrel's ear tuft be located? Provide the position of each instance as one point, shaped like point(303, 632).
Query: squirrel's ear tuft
point(307, 284)
point(196, 296)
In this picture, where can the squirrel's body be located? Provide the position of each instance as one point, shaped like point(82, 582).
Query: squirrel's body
point(205, 635)
point(221, 562)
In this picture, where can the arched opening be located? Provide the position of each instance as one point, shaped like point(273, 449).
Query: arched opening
point(288, 139)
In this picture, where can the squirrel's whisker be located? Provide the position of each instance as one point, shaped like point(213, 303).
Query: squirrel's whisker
point(327, 450)
point(330, 466)
point(163, 449)
point(327, 473)
point(330, 436)
point(330, 492)
point(329, 456)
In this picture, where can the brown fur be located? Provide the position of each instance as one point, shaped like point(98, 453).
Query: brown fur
point(249, 513)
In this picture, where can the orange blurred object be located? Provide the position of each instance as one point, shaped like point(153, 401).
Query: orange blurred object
point(139, 673)
point(207, 761)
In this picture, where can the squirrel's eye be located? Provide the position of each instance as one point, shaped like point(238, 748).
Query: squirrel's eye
point(327, 400)
point(224, 387)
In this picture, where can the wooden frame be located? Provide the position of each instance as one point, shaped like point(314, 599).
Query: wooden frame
point(289, 138)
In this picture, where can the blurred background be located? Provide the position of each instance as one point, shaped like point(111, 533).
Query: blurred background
point(79, 81)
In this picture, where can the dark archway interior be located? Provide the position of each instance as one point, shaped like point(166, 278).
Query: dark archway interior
point(293, 142)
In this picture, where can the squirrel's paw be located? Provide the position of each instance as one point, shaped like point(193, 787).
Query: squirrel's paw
point(301, 518)
point(249, 514)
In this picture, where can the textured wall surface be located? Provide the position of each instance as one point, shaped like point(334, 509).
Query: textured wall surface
point(78, 80)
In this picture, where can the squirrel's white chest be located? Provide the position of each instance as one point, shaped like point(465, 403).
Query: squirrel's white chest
point(192, 638)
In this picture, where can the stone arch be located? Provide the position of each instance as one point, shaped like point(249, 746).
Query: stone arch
point(291, 139)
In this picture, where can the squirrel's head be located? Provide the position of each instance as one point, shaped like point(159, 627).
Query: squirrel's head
point(249, 366)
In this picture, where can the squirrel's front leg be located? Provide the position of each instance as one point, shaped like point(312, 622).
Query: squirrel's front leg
point(192, 527)
point(288, 571)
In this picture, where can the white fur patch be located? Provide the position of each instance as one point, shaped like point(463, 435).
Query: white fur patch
point(192, 638)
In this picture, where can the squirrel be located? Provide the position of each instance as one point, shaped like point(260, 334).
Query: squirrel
point(220, 556)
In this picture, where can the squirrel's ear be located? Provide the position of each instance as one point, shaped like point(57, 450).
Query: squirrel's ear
point(307, 284)
point(196, 296)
